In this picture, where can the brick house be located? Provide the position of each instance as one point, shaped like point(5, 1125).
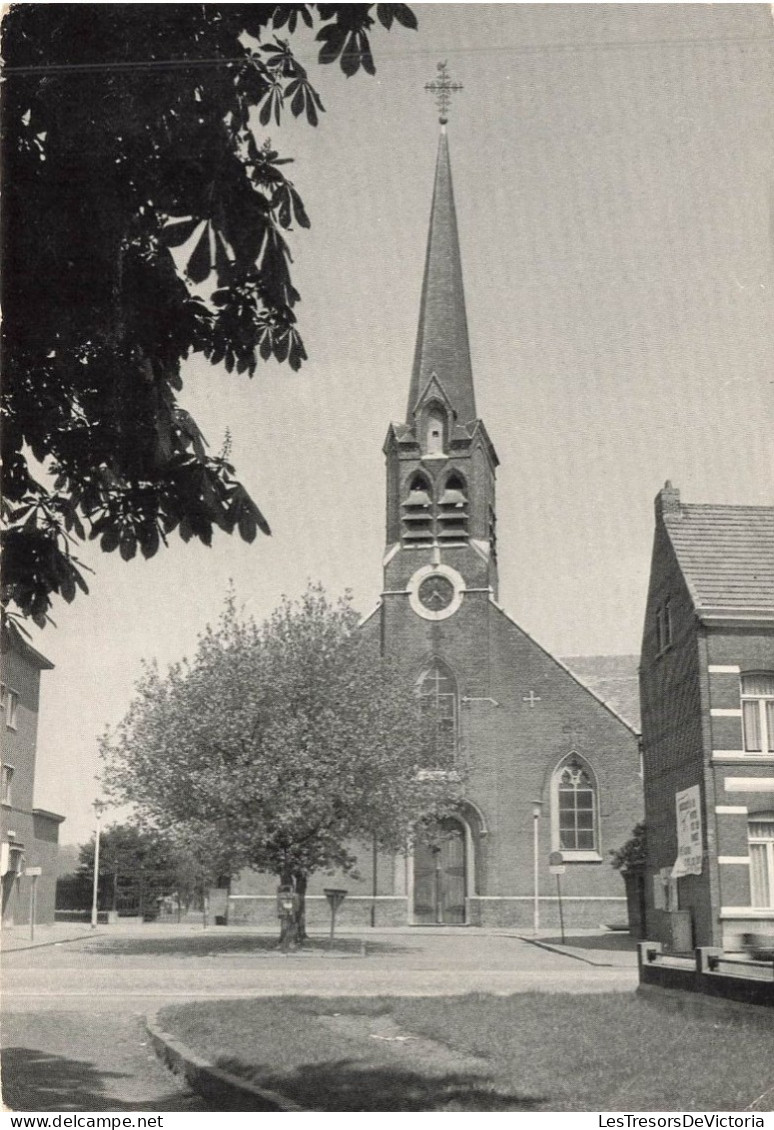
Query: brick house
point(707, 700)
point(550, 764)
point(29, 836)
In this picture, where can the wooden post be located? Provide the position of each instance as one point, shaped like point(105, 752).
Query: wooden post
point(33, 888)
point(374, 882)
point(438, 908)
point(335, 897)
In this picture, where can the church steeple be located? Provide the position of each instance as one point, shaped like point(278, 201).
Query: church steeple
point(442, 349)
point(440, 462)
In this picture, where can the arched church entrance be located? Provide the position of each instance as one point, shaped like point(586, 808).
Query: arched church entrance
point(440, 875)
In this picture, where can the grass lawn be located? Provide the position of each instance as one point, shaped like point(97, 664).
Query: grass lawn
point(233, 944)
point(531, 1051)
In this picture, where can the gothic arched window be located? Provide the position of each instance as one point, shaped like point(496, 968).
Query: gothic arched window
point(438, 704)
point(575, 806)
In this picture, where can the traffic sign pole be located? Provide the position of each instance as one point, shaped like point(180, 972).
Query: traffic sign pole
point(556, 867)
point(559, 896)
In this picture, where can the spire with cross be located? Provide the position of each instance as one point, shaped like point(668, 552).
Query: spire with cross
point(442, 351)
point(443, 88)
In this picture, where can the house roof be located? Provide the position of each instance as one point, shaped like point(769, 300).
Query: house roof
point(13, 639)
point(726, 555)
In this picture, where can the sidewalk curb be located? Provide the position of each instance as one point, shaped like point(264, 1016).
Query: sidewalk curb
point(567, 953)
point(40, 945)
point(224, 1090)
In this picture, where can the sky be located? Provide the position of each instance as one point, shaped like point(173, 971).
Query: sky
point(612, 170)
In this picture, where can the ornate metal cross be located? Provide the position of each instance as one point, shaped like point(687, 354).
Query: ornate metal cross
point(443, 88)
point(531, 698)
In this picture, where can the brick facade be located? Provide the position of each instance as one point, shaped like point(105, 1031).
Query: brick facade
point(691, 711)
point(519, 715)
point(28, 836)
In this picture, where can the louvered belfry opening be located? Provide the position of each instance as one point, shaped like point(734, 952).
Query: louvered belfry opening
point(452, 510)
point(435, 515)
point(417, 512)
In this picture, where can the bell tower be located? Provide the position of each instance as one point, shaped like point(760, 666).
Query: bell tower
point(441, 539)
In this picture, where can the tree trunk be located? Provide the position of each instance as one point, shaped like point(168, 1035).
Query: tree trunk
point(286, 918)
point(300, 922)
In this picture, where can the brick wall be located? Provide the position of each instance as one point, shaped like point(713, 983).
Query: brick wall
point(37, 831)
point(19, 744)
point(672, 736)
point(692, 735)
point(735, 774)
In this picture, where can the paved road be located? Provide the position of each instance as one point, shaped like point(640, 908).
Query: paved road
point(73, 1034)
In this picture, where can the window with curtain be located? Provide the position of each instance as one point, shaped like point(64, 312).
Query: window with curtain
point(760, 833)
point(758, 712)
point(577, 806)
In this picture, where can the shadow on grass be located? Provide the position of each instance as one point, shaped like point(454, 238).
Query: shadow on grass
point(34, 1080)
point(343, 1085)
point(214, 945)
point(615, 940)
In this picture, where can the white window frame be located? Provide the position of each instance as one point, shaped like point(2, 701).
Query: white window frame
point(576, 855)
point(762, 701)
point(6, 784)
point(766, 842)
point(9, 703)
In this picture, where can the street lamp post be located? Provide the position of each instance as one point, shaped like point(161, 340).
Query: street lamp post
point(537, 806)
point(99, 807)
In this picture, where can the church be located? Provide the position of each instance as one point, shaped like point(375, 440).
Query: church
point(553, 770)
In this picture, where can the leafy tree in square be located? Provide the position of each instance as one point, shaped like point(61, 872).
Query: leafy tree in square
point(282, 743)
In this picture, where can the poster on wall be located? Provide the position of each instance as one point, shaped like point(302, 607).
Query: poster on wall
point(688, 805)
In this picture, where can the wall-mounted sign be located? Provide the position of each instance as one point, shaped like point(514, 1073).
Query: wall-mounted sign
point(689, 853)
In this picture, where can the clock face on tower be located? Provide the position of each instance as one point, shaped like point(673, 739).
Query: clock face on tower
point(435, 591)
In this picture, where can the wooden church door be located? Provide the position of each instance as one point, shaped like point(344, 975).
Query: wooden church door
point(440, 877)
